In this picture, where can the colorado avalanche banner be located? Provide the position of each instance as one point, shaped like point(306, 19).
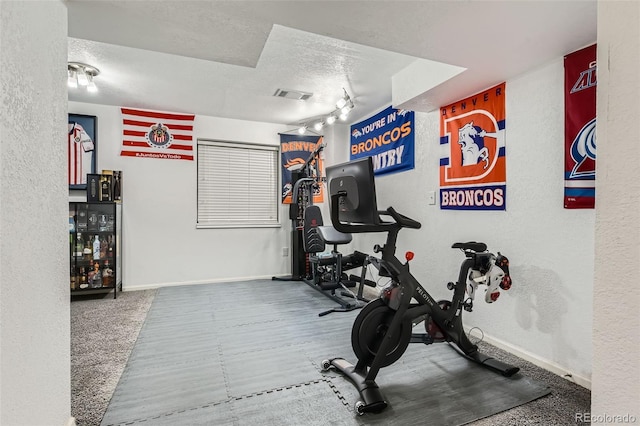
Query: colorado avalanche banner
point(388, 137)
point(155, 134)
point(472, 158)
point(580, 129)
point(295, 150)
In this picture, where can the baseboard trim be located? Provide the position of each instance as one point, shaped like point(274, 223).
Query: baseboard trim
point(71, 422)
point(214, 281)
point(538, 361)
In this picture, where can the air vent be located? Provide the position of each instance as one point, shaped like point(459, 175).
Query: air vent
point(292, 94)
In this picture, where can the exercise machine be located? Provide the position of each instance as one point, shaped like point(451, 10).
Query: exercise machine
point(383, 329)
point(305, 181)
point(323, 273)
point(328, 270)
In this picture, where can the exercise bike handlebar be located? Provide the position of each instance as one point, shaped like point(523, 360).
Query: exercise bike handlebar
point(402, 220)
point(399, 220)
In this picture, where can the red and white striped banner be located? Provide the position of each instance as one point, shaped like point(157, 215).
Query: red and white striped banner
point(155, 134)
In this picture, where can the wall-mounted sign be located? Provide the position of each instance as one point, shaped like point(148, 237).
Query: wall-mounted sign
point(472, 161)
point(389, 138)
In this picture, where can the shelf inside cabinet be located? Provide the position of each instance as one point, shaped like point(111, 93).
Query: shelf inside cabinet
point(86, 222)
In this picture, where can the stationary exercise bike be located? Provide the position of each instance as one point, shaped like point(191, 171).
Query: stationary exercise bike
point(383, 329)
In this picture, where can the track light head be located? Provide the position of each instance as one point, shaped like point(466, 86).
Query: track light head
point(82, 74)
point(72, 79)
point(343, 100)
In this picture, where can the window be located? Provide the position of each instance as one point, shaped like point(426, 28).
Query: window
point(237, 185)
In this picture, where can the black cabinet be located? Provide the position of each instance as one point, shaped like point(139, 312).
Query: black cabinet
point(95, 238)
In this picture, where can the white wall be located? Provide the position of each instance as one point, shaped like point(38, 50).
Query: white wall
point(616, 321)
point(34, 266)
point(161, 245)
point(546, 316)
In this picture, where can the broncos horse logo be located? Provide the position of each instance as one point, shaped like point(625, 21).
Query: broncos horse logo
point(471, 140)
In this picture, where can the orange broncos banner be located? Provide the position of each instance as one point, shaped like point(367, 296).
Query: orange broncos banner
point(472, 146)
point(295, 150)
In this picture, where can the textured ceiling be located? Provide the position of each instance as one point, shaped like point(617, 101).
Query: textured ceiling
point(227, 58)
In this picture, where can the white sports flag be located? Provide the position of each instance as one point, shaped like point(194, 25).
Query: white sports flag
point(155, 134)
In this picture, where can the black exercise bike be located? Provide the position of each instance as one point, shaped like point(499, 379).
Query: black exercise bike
point(383, 328)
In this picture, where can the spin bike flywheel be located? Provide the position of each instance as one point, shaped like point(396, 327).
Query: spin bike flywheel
point(368, 332)
point(432, 328)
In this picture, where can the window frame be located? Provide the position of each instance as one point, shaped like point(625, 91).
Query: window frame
point(261, 223)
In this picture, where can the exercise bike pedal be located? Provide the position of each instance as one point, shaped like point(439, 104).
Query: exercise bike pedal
point(421, 338)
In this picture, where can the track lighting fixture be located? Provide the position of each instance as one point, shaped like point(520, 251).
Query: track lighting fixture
point(79, 74)
point(344, 106)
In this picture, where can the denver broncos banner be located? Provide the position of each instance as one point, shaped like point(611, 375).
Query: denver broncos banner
point(388, 137)
point(295, 150)
point(155, 134)
point(472, 159)
point(580, 129)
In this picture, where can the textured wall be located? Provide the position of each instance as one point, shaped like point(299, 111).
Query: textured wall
point(547, 313)
point(161, 245)
point(34, 293)
point(616, 321)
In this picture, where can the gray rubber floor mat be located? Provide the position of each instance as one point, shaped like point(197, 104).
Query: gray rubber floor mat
point(249, 353)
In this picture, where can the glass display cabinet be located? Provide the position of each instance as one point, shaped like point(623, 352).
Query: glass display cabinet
point(95, 239)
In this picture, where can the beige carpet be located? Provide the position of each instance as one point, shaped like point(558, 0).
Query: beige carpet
point(103, 332)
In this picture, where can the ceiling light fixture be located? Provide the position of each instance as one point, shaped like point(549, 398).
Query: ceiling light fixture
point(82, 74)
point(344, 106)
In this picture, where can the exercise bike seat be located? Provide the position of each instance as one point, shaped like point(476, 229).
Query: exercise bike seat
point(471, 245)
point(331, 235)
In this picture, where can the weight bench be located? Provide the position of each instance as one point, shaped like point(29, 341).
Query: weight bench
point(328, 270)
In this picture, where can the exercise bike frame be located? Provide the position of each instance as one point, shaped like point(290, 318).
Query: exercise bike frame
point(448, 320)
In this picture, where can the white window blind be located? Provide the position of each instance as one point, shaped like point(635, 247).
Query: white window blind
point(237, 185)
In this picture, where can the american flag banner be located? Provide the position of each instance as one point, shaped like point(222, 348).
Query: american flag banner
point(156, 134)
